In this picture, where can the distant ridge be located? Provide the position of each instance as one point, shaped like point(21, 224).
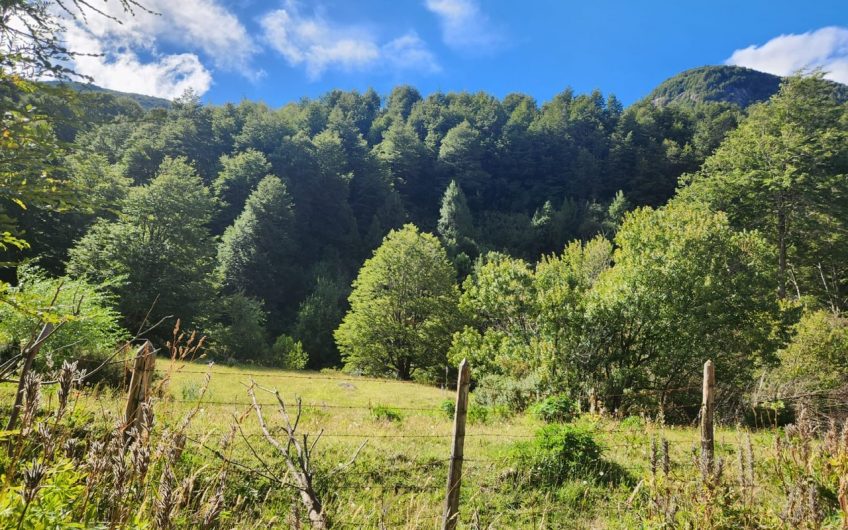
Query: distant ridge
point(730, 84)
point(146, 102)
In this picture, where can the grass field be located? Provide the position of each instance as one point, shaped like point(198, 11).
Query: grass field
point(398, 478)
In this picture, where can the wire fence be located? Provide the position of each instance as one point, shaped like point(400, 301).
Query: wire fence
point(616, 438)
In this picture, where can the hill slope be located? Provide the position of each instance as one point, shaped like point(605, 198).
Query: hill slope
point(731, 84)
point(146, 102)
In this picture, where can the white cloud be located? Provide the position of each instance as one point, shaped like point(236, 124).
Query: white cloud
point(319, 45)
point(464, 25)
point(195, 26)
point(409, 52)
point(825, 48)
point(166, 76)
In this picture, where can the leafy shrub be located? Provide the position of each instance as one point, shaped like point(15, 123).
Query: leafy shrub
point(192, 390)
point(815, 358)
point(288, 354)
point(555, 409)
point(632, 423)
point(476, 413)
point(502, 391)
point(90, 327)
point(562, 452)
point(386, 413)
point(238, 329)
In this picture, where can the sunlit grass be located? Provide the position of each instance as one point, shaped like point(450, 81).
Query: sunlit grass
point(400, 474)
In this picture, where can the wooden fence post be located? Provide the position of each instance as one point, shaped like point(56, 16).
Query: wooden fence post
point(707, 435)
point(143, 367)
point(451, 514)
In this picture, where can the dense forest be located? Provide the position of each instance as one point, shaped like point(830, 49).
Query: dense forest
point(252, 224)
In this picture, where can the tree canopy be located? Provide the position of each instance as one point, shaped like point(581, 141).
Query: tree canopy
point(402, 308)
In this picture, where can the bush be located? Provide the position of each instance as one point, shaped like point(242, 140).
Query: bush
point(555, 409)
point(502, 391)
point(89, 330)
point(476, 413)
point(386, 413)
point(632, 423)
point(237, 330)
point(562, 452)
point(288, 354)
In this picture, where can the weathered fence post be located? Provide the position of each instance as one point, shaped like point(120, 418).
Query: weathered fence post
point(143, 367)
point(451, 514)
point(707, 435)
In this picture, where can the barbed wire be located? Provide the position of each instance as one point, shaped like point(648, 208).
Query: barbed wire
point(309, 405)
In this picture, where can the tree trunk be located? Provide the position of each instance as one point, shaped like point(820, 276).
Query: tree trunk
point(403, 371)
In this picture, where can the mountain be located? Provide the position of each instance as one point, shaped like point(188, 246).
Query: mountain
point(146, 102)
point(731, 84)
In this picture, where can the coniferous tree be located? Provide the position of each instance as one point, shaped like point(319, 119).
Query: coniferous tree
point(257, 254)
point(239, 176)
point(456, 226)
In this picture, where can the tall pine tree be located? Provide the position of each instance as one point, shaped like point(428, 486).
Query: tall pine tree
point(257, 255)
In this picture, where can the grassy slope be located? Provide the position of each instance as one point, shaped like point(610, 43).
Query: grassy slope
point(399, 476)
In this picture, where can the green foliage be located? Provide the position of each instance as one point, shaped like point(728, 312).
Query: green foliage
point(256, 253)
point(318, 315)
point(237, 329)
point(633, 423)
point(559, 453)
point(499, 391)
point(684, 287)
point(461, 154)
point(499, 302)
point(386, 413)
point(782, 172)
point(814, 360)
point(62, 485)
point(159, 249)
point(88, 327)
point(476, 413)
point(555, 409)
point(456, 226)
point(240, 175)
point(289, 354)
point(29, 154)
point(403, 307)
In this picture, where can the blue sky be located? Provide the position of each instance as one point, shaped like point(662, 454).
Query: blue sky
point(278, 51)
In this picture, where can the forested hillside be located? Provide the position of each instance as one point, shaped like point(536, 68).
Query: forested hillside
point(269, 213)
point(254, 225)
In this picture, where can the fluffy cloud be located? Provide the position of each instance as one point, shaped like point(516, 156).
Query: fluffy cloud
point(197, 26)
point(825, 48)
point(463, 23)
point(165, 76)
point(319, 45)
point(409, 52)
